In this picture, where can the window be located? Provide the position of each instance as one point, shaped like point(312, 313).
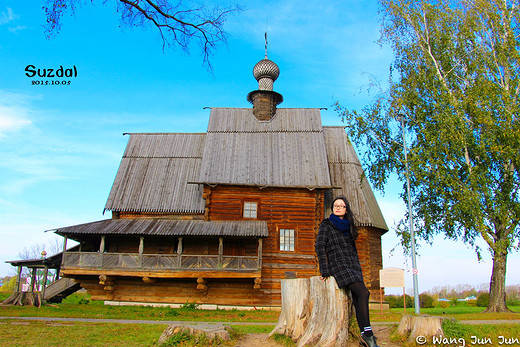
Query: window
point(287, 240)
point(250, 209)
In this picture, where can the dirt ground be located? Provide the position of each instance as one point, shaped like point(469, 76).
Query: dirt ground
point(260, 340)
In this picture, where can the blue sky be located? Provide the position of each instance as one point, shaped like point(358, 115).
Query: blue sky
point(60, 146)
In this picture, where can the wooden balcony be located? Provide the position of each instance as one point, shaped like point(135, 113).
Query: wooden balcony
point(160, 265)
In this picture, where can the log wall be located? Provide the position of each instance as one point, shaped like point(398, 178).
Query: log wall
point(282, 208)
point(370, 254)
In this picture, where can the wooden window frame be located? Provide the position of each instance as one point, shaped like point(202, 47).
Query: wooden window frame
point(257, 210)
point(294, 236)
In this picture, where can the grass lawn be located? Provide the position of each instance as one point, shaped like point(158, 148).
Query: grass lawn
point(15, 332)
point(36, 333)
point(459, 312)
point(79, 306)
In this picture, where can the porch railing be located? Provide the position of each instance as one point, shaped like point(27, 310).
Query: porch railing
point(159, 261)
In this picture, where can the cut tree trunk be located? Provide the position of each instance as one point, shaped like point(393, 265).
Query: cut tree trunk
point(24, 299)
point(314, 312)
point(420, 326)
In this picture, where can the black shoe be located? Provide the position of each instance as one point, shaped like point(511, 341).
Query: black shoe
point(368, 341)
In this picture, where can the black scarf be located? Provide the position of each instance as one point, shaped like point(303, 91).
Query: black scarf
point(343, 225)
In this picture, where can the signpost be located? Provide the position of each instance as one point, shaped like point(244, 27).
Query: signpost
point(391, 277)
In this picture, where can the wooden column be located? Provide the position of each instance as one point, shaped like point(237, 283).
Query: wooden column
point(141, 248)
point(179, 253)
point(220, 251)
point(64, 244)
point(260, 241)
point(179, 246)
point(101, 248)
point(44, 284)
point(102, 244)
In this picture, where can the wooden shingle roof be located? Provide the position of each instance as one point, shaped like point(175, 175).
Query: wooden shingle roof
point(346, 172)
point(165, 227)
point(166, 172)
point(154, 173)
point(287, 151)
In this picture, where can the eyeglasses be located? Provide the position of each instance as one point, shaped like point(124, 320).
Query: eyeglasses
point(339, 207)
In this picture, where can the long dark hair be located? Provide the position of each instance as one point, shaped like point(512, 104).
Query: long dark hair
point(348, 214)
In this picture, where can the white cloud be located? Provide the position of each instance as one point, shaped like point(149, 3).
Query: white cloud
point(12, 119)
point(17, 28)
point(14, 112)
point(9, 16)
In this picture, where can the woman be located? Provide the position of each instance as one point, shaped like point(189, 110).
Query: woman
point(338, 257)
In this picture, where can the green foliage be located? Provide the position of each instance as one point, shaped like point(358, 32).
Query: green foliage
point(454, 83)
point(189, 306)
point(483, 300)
point(471, 302)
point(9, 286)
point(397, 301)
point(283, 340)
point(513, 302)
point(80, 298)
point(187, 339)
point(443, 304)
point(426, 301)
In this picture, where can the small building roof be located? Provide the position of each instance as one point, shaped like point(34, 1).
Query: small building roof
point(52, 261)
point(166, 227)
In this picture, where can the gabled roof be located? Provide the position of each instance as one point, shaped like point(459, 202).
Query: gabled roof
point(346, 172)
point(154, 173)
point(165, 172)
point(166, 227)
point(287, 151)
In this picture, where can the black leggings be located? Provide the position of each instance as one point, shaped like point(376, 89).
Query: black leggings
point(360, 295)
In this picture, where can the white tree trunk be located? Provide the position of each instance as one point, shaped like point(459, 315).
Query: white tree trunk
point(314, 312)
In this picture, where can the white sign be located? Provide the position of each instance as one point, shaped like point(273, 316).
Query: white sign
point(391, 277)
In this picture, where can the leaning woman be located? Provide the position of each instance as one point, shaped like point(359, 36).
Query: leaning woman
point(338, 257)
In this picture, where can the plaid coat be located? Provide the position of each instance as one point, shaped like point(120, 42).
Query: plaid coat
point(337, 255)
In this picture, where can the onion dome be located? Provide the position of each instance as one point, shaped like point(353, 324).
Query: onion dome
point(266, 72)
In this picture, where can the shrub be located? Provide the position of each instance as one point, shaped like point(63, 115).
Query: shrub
point(513, 302)
point(471, 302)
point(392, 300)
point(426, 301)
point(483, 300)
point(395, 301)
point(443, 304)
point(9, 285)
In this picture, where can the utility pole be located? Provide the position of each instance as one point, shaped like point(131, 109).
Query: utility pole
point(412, 233)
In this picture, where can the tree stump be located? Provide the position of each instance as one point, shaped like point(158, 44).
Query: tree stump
point(314, 312)
point(210, 332)
point(24, 299)
point(426, 326)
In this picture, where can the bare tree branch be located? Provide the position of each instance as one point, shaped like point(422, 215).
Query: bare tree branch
point(179, 23)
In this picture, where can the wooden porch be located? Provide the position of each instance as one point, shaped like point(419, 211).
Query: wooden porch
point(160, 265)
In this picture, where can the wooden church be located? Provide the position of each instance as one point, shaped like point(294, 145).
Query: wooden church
point(221, 217)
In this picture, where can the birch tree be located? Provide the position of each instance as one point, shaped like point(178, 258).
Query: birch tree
point(456, 82)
